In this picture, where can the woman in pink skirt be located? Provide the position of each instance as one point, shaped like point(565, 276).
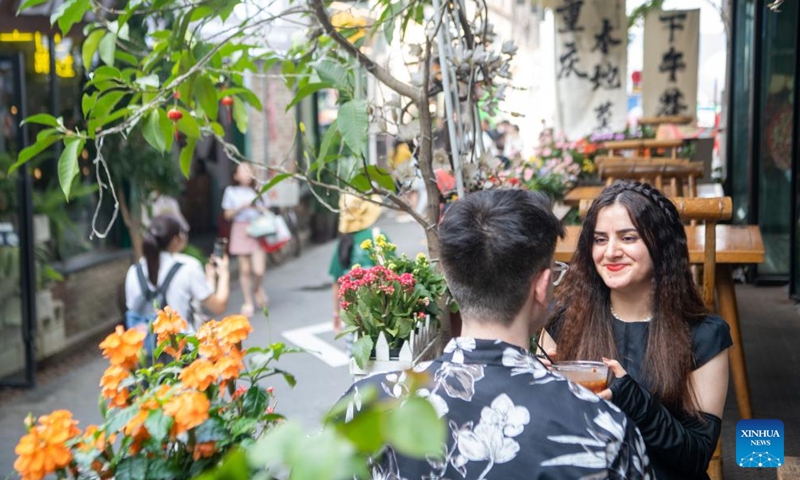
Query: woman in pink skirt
point(240, 209)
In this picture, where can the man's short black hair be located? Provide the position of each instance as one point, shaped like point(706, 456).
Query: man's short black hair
point(493, 243)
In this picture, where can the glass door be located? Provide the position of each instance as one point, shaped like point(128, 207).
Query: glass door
point(17, 269)
point(776, 127)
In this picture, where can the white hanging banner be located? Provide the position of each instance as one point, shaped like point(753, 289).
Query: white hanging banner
point(591, 45)
point(669, 72)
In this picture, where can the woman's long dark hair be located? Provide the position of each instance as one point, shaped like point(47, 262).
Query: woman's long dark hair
point(157, 238)
point(583, 301)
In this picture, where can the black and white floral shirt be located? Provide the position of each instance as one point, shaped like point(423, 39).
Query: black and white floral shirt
point(510, 418)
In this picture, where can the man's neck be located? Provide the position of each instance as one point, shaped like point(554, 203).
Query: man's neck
point(517, 333)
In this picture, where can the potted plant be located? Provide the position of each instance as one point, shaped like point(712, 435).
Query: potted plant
point(172, 418)
point(391, 307)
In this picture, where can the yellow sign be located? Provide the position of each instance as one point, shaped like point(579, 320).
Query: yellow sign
point(65, 64)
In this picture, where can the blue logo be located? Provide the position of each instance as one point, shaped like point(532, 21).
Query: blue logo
point(759, 443)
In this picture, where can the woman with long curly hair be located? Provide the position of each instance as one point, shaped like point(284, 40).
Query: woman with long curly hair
point(629, 300)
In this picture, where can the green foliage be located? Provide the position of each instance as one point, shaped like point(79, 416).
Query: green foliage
point(343, 449)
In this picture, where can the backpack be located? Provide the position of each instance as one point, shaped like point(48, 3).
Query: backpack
point(143, 312)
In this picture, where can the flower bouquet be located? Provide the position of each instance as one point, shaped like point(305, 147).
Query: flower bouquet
point(393, 300)
point(172, 419)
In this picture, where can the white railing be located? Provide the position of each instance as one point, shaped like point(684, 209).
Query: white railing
point(420, 346)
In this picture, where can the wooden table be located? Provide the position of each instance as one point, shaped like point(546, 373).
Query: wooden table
point(735, 244)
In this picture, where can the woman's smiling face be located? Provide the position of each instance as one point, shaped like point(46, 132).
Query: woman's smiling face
point(619, 252)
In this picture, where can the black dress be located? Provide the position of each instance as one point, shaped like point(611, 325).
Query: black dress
point(710, 336)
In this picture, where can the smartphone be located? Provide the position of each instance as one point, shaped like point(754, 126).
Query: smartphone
point(220, 247)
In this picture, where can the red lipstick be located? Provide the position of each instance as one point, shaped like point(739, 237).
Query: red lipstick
point(615, 267)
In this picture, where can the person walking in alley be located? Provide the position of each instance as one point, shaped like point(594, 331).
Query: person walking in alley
point(241, 205)
point(630, 296)
point(181, 277)
point(508, 416)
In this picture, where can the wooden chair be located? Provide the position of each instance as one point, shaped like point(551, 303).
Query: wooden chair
point(643, 147)
point(710, 211)
point(659, 174)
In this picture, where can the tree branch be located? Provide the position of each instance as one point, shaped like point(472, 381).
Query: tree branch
point(376, 70)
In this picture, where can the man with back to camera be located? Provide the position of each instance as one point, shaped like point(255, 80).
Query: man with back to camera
point(508, 416)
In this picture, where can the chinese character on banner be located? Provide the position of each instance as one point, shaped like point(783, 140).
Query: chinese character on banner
point(669, 74)
point(591, 43)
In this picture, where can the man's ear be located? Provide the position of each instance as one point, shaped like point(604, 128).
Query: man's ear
point(540, 287)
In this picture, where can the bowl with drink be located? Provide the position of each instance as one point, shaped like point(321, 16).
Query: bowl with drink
point(592, 375)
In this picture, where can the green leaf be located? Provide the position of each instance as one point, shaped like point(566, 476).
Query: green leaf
point(32, 151)
point(69, 13)
point(212, 430)
point(187, 154)
point(43, 119)
point(362, 349)
point(125, 57)
point(68, 163)
point(233, 467)
point(188, 125)
point(364, 430)
point(275, 448)
point(106, 103)
point(414, 429)
point(240, 114)
point(352, 120)
point(158, 424)
point(217, 129)
point(108, 47)
point(381, 176)
point(28, 4)
point(305, 91)
point(274, 181)
point(90, 47)
point(162, 468)
point(123, 32)
point(331, 137)
point(288, 70)
point(121, 418)
point(255, 401)
point(167, 128)
point(87, 102)
point(132, 468)
point(148, 81)
point(243, 426)
point(334, 73)
point(152, 131)
point(206, 96)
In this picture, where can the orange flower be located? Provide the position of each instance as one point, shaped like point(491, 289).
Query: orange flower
point(110, 381)
point(204, 450)
point(199, 374)
point(168, 323)
point(229, 366)
point(131, 429)
point(176, 352)
point(234, 329)
point(189, 410)
point(42, 450)
point(209, 341)
point(99, 443)
point(122, 347)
